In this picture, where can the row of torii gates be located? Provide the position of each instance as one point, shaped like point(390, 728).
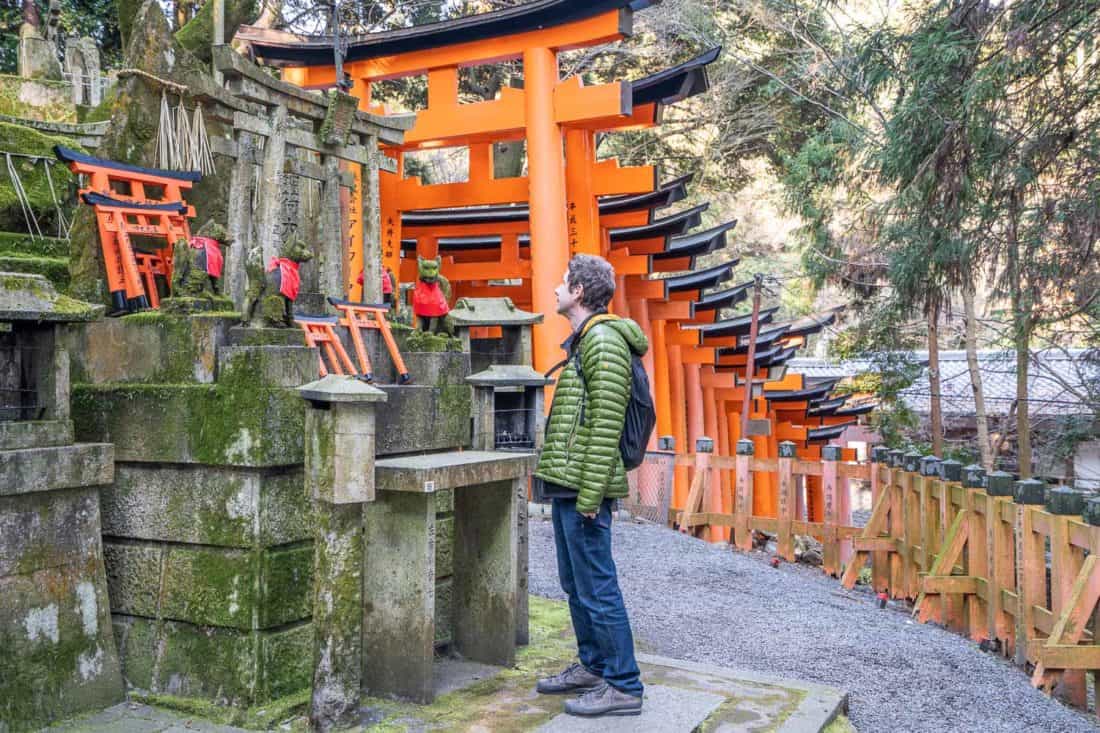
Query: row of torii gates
point(525, 229)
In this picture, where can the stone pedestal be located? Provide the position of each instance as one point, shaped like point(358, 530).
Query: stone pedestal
point(340, 478)
point(57, 651)
point(401, 531)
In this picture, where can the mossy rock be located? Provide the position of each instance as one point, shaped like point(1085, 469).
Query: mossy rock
point(52, 268)
point(32, 174)
point(197, 35)
point(36, 99)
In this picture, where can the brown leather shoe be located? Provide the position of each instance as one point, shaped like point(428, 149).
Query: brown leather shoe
point(574, 678)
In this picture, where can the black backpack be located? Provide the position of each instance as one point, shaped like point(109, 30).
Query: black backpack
point(641, 417)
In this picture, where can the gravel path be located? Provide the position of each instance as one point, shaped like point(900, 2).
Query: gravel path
point(691, 600)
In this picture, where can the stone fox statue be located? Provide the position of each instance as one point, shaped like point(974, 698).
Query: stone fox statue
point(273, 286)
point(431, 297)
point(197, 264)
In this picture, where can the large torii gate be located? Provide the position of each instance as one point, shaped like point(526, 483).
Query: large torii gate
point(557, 118)
point(524, 229)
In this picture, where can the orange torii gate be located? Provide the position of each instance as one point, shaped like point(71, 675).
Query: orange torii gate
point(557, 118)
point(524, 229)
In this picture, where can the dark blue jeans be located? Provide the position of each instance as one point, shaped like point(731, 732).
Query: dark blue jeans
point(588, 576)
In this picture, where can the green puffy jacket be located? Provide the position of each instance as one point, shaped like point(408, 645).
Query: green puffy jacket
point(585, 456)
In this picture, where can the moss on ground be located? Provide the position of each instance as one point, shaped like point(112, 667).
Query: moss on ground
point(266, 716)
point(494, 703)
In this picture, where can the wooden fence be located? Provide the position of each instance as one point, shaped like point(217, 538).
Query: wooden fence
point(1011, 564)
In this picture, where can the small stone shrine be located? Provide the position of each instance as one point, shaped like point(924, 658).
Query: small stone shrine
point(58, 650)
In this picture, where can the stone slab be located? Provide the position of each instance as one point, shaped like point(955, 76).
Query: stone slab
point(206, 505)
point(811, 708)
point(438, 471)
point(239, 423)
point(35, 434)
point(61, 467)
point(420, 418)
point(665, 710)
point(278, 366)
point(147, 347)
point(48, 530)
point(453, 673)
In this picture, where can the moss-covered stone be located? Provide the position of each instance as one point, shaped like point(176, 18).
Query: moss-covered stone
point(444, 611)
point(209, 586)
point(133, 577)
point(32, 175)
point(212, 663)
point(287, 581)
point(148, 347)
point(24, 245)
point(197, 35)
point(444, 546)
point(36, 99)
point(58, 654)
point(53, 269)
point(240, 422)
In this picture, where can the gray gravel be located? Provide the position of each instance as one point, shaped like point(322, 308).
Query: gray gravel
point(690, 600)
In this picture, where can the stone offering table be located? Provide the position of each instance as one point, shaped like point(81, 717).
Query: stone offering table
point(400, 564)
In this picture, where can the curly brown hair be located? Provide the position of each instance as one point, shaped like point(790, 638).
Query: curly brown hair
point(596, 276)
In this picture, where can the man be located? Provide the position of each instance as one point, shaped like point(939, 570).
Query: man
point(581, 471)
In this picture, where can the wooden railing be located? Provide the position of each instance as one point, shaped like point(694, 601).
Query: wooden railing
point(834, 529)
point(1011, 564)
point(971, 551)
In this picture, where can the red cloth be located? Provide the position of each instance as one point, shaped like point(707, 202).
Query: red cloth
point(213, 260)
point(429, 301)
point(289, 279)
point(387, 284)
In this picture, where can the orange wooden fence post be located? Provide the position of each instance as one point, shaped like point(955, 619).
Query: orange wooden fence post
point(880, 561)
point(1001, 548)
point(742, 504)
point(785, 535)
point(1066, 561)
point(1031, 573)
point(830, 454)
point(977, 558)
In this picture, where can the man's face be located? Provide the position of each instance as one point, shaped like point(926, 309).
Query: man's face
point(567, 298)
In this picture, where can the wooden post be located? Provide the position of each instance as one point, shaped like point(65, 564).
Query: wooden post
point(977, 557)
point(1000, 549)
point(898, 560)
point(750, 367)
point(1031, 574)
point(831, 560)
point(880, 561)
point(742, 506)
point(785, 540)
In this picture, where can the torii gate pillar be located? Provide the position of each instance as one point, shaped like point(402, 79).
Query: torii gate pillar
point(546, 179)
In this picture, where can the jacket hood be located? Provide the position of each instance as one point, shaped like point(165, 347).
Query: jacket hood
point(631, 332)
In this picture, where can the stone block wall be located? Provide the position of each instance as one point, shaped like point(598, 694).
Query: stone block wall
point(207, 526)
point(207, 529)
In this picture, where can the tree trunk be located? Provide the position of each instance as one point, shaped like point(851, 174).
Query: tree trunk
point(1021, 332)
point(980, 418)
point(30, 14)
point(270, 15)
point(935, 407)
